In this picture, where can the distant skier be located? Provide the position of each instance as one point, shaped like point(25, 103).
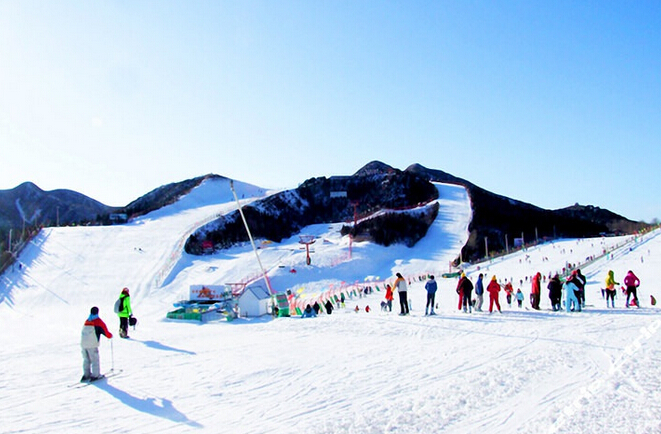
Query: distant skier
point(509, 292)
point(93, 328)
point(479, 293)
point(125, 312)
point(610, 288)
point(632, 283)
point(555, 292)
point(431, 288)
point(402, 292)
point(493, 288)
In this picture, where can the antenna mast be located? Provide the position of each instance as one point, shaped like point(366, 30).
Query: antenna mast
point(254, 248)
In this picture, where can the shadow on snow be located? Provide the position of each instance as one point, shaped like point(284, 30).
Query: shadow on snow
point(159, 407)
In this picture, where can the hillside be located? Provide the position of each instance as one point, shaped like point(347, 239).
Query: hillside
point(389, 195)
point(519, 371)
point(330, 200)
point(500, 220)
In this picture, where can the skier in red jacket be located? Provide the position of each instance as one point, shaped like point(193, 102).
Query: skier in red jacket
point(89, 342)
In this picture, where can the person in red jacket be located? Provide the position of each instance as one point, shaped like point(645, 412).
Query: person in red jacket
point(536, 290)
point(389, 297)
point(632, 282)
point(493, 289)
point(93, 328)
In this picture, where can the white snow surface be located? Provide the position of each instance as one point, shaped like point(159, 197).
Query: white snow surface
point(521, 371)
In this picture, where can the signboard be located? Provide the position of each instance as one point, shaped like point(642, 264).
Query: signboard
point(209, 292)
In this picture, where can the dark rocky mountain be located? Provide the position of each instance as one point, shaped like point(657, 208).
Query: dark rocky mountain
point(497, 217)
point(321, 200)
point(375, 187)
point(29, 205)
point(378, 187)
point(27, 208)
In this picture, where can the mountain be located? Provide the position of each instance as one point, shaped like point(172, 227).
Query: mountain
point(498, 220)
point(390, 206)
point(29, 206)
point(371, 195)
point(164, 195)
point(374, 188)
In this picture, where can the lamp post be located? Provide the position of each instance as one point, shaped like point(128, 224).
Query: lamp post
point(486, 247)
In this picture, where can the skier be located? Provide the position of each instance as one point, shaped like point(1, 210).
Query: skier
point(93, 328)
point(536, 290)
point(493, 288)
point(329, 307)
point(124, 313)
point(555, 292)
point(431, 288)
point(402, 291)
point(509, 291)
point(479, 293)
point(571, 300)
point(519, 298)
point(610, 288)
point(632, 283)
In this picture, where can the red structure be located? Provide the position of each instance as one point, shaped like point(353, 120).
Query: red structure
point(307, 240)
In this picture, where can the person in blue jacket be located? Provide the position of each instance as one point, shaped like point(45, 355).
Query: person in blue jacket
point(431, 288)
point(308, 312)
point(572, 303)
point(479, 293)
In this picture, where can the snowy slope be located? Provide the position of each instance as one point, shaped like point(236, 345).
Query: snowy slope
point(519, 371)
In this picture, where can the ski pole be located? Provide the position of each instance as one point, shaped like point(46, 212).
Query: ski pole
point(112, 356)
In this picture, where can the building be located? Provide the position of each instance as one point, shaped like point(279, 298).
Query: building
point(255, 301)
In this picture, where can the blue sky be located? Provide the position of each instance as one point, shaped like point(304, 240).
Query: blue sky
point(551, 103)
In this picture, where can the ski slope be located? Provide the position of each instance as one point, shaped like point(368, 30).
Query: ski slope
point(520, 371)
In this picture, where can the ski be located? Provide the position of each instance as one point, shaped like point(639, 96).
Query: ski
point(109, 374)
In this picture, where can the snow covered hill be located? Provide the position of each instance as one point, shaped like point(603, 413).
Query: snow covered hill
point(519, 371)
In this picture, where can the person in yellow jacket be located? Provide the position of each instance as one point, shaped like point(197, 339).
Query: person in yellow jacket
point(124, 313)
point(610, 288)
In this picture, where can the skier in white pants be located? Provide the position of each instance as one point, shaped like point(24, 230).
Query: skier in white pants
point(89, 342)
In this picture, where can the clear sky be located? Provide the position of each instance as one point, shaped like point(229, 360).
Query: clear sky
point(549, 102)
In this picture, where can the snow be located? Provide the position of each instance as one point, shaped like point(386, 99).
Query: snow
point(520, 371)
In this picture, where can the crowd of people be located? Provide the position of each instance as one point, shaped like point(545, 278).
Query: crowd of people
point(566, 294)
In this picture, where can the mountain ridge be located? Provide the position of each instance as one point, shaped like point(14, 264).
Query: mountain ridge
point(497, 218)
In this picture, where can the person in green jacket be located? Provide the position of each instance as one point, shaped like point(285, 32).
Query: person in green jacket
point(610, 288)
point(124, 313)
